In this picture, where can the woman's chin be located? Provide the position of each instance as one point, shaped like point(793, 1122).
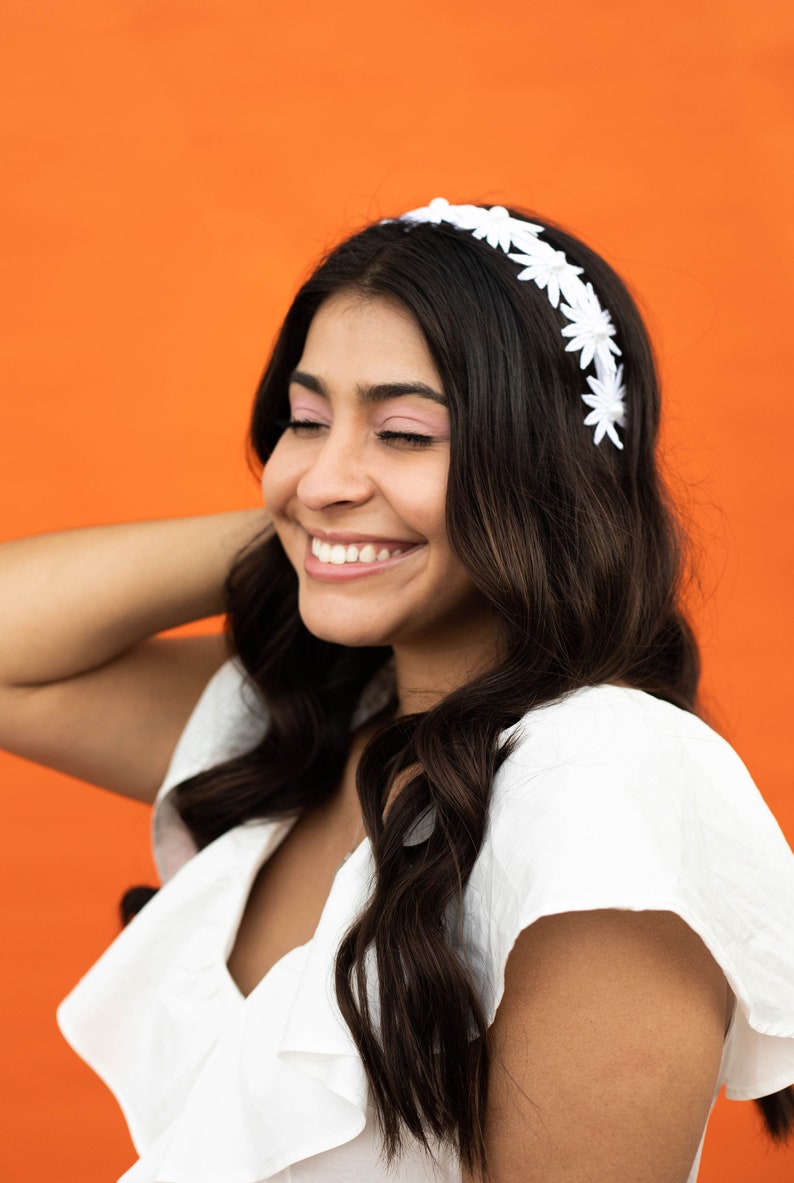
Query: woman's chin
point(352, 633)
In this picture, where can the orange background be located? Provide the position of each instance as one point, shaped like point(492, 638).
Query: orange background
point(171, 168)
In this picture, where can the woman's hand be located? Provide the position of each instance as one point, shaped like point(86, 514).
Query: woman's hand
point(86, 686)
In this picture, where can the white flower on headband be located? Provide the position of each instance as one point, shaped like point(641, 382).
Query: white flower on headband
point(592, 329)
point(465, 217)
point(551, 270)
point(500, 230)
point(495, 227)
point(607, 403)
point(436, 212)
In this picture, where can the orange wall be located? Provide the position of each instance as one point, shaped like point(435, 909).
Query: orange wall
point(171, 167)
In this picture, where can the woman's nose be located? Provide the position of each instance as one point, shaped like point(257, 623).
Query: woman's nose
point(336, 475)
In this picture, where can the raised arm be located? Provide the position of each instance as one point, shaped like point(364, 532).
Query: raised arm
point(86, 685)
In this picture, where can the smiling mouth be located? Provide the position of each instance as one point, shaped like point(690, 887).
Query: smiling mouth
point(340, 554)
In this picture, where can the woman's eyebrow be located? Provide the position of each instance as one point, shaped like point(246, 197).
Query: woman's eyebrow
point(379, 393)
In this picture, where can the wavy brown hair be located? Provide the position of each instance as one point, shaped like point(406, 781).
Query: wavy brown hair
point(578, 551)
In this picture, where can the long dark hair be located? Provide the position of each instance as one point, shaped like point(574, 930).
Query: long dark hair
point(579, 553)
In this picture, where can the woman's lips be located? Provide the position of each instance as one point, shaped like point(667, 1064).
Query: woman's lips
point(340, 553)
point(336, 572)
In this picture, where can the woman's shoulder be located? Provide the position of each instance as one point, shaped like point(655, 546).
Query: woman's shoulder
point(613, 799)
point(229, 719)
point(613, 786)
point(608, 743)
point(599, 719)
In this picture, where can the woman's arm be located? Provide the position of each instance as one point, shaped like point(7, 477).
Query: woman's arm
point(605, 1051)
point(86, 686)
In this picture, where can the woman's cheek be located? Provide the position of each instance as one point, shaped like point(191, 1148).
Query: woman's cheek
point(278, 476)
point(267, 495)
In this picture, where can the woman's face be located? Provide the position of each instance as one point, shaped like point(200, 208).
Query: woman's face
point(357, 484)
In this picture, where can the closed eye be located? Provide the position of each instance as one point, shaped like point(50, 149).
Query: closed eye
point(297, 425)
point(308, 426)
point(412, 438)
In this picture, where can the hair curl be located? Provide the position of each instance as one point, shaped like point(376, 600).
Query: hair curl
point(579, 552)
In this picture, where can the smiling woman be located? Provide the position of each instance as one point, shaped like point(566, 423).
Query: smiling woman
point(357, 489)
point(456, 883)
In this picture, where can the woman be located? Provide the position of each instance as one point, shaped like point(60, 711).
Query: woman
point(456, 883)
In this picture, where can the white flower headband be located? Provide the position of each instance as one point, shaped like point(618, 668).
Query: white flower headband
point(591, 329)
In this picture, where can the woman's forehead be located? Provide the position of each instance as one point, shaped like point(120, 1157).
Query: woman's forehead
point(369, 342)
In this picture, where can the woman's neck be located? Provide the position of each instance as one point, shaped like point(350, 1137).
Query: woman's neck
point(424, 675)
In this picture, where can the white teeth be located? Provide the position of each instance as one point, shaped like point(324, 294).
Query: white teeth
point(339, 554)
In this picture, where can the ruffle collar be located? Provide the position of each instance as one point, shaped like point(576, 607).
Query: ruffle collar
point(215, 1085)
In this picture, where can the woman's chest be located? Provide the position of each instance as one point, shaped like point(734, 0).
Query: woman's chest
point(290, 890)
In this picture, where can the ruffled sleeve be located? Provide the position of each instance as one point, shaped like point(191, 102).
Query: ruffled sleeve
point(228, 720)
point(614, 799)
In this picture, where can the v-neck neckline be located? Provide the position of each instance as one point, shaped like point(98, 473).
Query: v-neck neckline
point(274, 834)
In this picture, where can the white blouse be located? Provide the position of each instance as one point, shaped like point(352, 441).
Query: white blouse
point(611, 799)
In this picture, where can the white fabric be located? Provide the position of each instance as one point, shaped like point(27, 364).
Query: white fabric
point(611, 799)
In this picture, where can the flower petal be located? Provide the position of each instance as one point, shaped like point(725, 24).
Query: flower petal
point(553, 289)
point(613, 435)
